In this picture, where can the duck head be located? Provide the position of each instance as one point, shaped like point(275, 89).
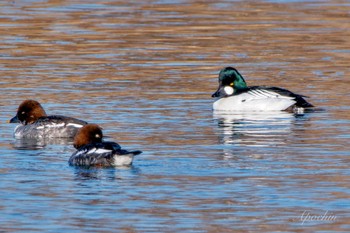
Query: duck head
point(28, 112)
point(89, 133)
point(230, 80)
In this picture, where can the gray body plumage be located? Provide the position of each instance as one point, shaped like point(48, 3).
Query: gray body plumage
point(50, 127)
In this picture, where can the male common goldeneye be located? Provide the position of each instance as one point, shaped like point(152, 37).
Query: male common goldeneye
point(92, 151)
point(36, 124)
point(235, 95)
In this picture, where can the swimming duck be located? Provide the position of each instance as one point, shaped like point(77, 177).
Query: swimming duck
point(92, 151)
point(35, 123)
point(235, 95)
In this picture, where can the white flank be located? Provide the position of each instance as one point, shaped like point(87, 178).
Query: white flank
point(18, 132)
point(255, 100)
point(123, 160)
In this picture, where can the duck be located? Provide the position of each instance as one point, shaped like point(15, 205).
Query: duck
point(35, 123)
point(234, 95)
point(93, 151)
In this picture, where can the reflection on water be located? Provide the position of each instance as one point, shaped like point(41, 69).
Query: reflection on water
point(254, 128)
point(254, 134)
point(39, 143)
point(144, 71)
point(111, 174)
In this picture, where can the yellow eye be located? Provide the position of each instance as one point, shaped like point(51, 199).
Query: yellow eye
point(232, 84)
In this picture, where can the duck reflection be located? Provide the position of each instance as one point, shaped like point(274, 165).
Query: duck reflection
point(110, 173)
point(39, 143)
point(254, 128)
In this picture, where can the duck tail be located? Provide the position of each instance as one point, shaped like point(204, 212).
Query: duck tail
point(135, 152)
point(301, 102)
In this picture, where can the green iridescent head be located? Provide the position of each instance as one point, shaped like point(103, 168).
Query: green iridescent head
point(230, 80)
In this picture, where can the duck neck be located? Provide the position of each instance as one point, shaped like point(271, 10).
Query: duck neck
point(240, 83)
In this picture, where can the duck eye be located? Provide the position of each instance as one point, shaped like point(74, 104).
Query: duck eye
point(232, 84)
point(97, 135)
point(23, 112)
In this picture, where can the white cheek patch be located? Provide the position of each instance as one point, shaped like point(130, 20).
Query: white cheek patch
point(228, 90)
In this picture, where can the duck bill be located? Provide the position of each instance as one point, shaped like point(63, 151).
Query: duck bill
point(14, 120)
point(219, 93)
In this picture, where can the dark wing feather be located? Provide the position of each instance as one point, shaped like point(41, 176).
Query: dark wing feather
point(113, 146)
point(126, 152)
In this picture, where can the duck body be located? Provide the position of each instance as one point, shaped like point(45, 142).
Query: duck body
point(235, 95)
point(34, 123)
point(92, 151)
point(261, 98)
point(50, 127)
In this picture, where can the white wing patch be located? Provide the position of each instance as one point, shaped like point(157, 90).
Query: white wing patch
point(261, 93)
point(80, 152)
point(98, 151)
point(50, 126)
point(74, 125)
point(101, 151)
